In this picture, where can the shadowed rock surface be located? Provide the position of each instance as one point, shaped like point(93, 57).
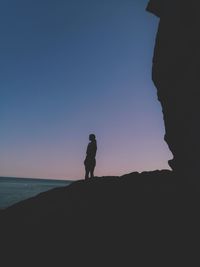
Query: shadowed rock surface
point(143, 218)
point(176, 67)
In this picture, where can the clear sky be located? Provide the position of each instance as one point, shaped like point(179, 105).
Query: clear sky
point(69, 68)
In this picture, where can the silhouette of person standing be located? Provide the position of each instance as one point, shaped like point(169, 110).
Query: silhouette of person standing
point(90, 161)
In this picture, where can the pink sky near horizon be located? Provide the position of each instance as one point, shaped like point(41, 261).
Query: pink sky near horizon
point(123, 147)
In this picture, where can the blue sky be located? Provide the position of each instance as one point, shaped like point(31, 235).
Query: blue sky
point(71, 68)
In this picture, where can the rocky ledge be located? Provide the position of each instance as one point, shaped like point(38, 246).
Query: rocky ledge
point(139, 216)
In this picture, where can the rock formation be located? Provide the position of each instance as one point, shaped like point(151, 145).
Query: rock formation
point(105, 220)
point(175, 73)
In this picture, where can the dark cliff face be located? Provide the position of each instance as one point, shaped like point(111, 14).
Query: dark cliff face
point(175, 73)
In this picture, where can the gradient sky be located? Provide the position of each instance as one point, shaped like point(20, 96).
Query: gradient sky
point(69, 68)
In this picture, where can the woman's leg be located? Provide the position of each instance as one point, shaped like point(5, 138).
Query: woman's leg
point(87, 170)
point(92, 167)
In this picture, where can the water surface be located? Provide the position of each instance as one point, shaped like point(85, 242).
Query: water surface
point(13, 190)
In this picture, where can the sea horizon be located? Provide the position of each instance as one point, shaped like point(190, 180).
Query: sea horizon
point(40, 178)
point(16, 189)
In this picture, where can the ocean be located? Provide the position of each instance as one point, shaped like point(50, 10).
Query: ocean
point(13, 190)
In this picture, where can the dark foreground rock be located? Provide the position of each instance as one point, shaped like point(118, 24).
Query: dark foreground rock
point(144, 218)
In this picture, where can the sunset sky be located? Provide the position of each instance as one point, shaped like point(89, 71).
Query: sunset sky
point(69, 68)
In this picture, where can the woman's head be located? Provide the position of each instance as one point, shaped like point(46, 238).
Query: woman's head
point(92, 137)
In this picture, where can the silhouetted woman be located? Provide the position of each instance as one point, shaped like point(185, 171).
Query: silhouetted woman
point(90, 161)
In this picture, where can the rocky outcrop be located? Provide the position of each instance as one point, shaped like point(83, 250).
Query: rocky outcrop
point(106, 220)
point(175, 72)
